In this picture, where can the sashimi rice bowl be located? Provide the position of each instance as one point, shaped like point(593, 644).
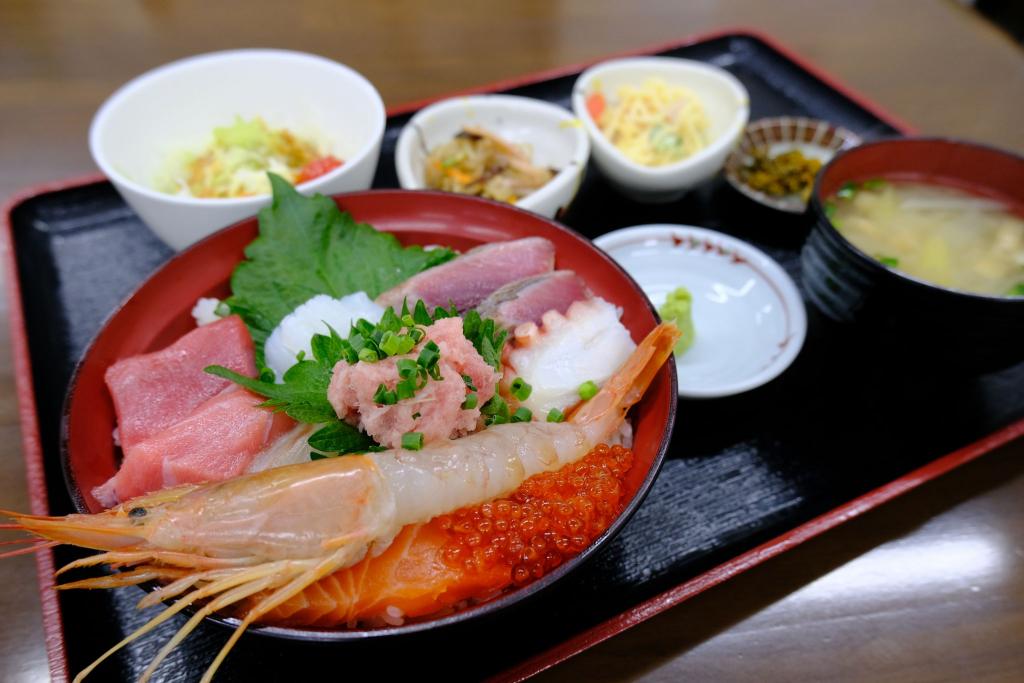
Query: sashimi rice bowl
point(322, 424)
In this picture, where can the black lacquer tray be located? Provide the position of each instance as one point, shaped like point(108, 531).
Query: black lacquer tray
point(746, 477)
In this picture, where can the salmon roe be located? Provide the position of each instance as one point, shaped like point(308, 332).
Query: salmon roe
point(550, 518)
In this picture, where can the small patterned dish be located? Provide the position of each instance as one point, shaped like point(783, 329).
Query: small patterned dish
point(749, 318)
point(814, 139)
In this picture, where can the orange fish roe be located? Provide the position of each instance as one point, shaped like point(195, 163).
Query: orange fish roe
point(550, 518)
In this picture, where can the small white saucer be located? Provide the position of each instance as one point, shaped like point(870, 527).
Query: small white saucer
point(749, 318)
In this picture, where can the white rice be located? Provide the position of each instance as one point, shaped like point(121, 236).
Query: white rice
point(205, 311)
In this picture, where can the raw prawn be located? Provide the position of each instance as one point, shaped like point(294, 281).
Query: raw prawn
point(280, 532)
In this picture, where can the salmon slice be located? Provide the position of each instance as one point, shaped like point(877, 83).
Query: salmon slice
point(470, 278)
point(410, 577)
point(153, 391)
point(527, 300)
point(217, 441)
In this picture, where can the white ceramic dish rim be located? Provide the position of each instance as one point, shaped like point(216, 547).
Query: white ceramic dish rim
point(580, 155)
point(786, 290)
point(731, 134)
point(146, 78)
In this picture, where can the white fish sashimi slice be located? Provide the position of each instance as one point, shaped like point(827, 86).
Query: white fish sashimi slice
point(294, 333)
point(587, 343)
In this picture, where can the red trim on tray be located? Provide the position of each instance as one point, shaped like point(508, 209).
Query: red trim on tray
point(35, 474)
point(763, 552)
point(33, 453)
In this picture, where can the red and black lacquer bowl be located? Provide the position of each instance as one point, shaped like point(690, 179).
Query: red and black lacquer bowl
point(922, 325)
point(159, 312)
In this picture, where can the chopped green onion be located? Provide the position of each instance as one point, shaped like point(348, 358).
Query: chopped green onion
point(588, 390)
point(406, 367)
point(470, 402)
point(407, 320)
point(520, 389)
point(522, 415)
point(495, 411)
point(847, 191)
point(349, 353)
point(874, 184)
point(406, 388)
point(416, 334)
point(389, 322)
point(365, 327)
point(368, 355)
point(420, 314)
point(222, 310)
point(555, 415)
point(389, 343)
point(429, 355)
point(469, 382)
point(441, 313)
point(384, 397)
point(412, 441)
point(890, 261)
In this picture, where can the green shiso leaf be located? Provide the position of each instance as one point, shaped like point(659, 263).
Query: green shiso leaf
point(302, 395)
point(340, 437)
point(307, 246)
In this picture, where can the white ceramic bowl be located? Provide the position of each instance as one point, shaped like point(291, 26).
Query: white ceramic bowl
point(174, 108)
point(723, 97)
point(748, 316)
point(554, 136)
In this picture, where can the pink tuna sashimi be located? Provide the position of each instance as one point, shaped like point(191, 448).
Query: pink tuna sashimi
point(527, 300)
point(435, 411)
point(469, 279)
point(217, 441)
point(153, 391)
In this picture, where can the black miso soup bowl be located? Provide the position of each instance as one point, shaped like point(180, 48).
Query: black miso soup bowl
point(915, 324)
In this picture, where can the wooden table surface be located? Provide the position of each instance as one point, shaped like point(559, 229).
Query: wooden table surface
point(927, 588)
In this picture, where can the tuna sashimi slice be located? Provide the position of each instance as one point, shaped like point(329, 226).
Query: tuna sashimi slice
point(153, 391)
point(217, 441)
point(469, 279)
point(527, 300)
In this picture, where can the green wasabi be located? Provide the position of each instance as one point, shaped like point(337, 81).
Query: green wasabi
point(678, 310)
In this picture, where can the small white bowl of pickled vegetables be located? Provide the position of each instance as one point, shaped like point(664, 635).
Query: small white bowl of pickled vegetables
point(501, 147)
point(189, 144)
point(659, 125)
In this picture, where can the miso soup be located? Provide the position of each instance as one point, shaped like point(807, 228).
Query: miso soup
point(935, 233)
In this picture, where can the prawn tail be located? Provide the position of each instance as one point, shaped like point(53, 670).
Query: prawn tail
point(602, 414)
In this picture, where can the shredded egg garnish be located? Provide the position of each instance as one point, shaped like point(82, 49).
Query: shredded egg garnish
point(654, 124)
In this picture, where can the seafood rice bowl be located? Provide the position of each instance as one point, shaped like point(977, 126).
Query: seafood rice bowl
point(363, 433)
